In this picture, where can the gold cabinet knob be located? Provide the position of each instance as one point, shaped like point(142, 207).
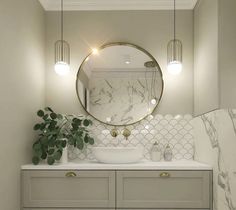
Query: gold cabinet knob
point(71, 174)
point(164, 175)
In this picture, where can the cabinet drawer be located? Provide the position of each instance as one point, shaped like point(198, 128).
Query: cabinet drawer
point(52, 189)
point(74, 209)
point(164, 189)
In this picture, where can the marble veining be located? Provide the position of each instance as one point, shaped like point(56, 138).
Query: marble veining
point(210, 122)
point(124, 100)
point(232, 115)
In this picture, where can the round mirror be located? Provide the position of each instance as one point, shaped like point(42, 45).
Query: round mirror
point(119, 84)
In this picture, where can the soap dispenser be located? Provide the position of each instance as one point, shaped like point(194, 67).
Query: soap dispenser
point(156, 152)
point(168, 155)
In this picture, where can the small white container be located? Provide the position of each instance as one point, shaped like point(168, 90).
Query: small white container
point(168, 155)
point(156, 152)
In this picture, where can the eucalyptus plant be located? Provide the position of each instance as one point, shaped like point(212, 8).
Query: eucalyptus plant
point(56, 131)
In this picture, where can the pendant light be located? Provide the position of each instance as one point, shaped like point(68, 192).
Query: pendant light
point(62, 51)
point(174, 51)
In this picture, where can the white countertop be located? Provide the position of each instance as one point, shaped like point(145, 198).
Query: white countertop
point(144, 165)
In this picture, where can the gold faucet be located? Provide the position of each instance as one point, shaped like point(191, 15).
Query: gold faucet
point(126, 133)
point(114, 132)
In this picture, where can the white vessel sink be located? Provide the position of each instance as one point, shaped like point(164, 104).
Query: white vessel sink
point(118, 155)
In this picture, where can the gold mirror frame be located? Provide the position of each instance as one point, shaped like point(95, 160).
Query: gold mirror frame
point(120, 44)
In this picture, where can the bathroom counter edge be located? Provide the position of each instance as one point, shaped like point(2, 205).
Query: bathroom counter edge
point(144, 165)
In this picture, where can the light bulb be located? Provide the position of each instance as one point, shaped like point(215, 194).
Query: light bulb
point(174, 67)
point(62, 68)
point(127, 59)
point(153, 101)
point(95, 51)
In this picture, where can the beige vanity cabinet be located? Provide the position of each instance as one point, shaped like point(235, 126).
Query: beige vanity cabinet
point(68, 189)
point(164, 189)
point(121, 189)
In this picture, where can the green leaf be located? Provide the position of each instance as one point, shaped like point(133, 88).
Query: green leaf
point(53, 115)
point(44, 155)
point(80, 143)
point(37, 127)
point(80, 146)
point(45, 148)
point(38, 153)
point(79, 133)
point(50, 160)
point(44, 141)
point(86, 122)
point(35, 160)
point(91, 141)
point(86, 139)
point(63, 144)
point(58, 143)
point(51, 151)
point(42, 126)
point(57, 155)
point(74, 126)
point(60, 135)
point(74, 120)
point(45, 117)
point(40, 113)
point(77, 121)
point(59, 117)
point(36, 146)
point(52, 125)
point(51, 143)
point(48, 109)
point(71, 141)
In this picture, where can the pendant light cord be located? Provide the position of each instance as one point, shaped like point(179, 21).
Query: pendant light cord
point(174, 20)
point(62, 29)
point(62, 20)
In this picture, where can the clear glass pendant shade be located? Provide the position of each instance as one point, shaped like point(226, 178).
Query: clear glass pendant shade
point(62, 57)
point(174, 56)
point(62, 68)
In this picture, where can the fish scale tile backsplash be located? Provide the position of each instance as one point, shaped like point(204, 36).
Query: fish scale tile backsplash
point(176, 131)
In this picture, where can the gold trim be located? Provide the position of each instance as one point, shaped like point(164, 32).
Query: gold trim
point(123, 44)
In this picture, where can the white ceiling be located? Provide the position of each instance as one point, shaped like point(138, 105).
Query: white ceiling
point(72, 5)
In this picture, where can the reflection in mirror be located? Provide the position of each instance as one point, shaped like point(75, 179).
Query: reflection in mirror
point(120, 84)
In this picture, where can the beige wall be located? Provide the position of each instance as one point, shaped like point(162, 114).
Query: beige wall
point(227, 53)
point(21, 90)
point(206, 85)
point(214, 55)
point(150, 29)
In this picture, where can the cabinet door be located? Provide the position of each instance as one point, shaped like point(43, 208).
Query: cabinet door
point(77, 189)
point(164, 189)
